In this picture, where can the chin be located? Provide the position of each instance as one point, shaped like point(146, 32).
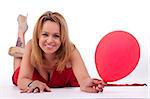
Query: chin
point(50, 52)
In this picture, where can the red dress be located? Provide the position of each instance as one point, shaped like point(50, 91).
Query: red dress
point(64, 79)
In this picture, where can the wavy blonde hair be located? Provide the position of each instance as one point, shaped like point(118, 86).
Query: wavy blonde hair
point(63, 53)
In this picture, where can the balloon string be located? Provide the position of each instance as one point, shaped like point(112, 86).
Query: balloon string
point(135, 84)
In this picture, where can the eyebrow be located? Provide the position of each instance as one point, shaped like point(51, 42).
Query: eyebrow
point(57, 33)
point(44, 32)
point(48, 32)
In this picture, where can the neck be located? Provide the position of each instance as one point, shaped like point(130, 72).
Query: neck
point(50, 58)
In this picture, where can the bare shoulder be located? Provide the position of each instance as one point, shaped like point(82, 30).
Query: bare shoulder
point(29, 45)
point(75, 53)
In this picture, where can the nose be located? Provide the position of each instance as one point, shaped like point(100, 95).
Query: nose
point(50, 39)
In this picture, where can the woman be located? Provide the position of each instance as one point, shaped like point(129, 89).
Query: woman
point(50, 59)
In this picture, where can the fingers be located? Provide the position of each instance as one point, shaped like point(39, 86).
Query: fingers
point(97, 81)
point(93, 89)
point(47, 89)
point(36, 90)
point(24, 90)
point(98, 88)
point(90, 90)
point(36, 87)
point(42, 88)
point(98, 85)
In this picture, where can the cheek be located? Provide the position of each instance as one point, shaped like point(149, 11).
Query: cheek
point(59, 43)
point(41, 40)
point(40, 43)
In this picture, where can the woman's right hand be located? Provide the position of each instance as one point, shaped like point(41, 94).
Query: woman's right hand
point(35, 87)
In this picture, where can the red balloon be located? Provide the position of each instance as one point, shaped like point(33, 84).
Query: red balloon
point(116, 55)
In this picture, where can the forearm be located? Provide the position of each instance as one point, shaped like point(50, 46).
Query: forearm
point(79, 67)
point(23, 83)
point(81, 75)
point(82, 79)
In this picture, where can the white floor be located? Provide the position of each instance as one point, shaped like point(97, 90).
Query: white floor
point(12, 92)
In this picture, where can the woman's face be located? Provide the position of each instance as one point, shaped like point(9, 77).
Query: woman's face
point(49, 38)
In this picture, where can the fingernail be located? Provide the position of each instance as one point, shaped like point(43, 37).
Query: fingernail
point(101, 90)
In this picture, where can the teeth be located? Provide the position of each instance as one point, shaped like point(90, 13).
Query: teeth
point(49, 46)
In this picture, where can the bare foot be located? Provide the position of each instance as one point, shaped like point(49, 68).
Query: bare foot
point(16, 51)
point(22, 24)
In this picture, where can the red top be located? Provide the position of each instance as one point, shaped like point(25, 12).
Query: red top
point(64, 79)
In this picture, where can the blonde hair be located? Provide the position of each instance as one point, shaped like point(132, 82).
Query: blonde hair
point(63, 53)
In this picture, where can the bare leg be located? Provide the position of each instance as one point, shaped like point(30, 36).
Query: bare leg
point(18, 51)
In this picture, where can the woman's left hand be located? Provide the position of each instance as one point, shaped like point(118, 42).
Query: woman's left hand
point(92, 85)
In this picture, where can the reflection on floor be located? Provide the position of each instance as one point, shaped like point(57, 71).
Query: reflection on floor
point(12, 92)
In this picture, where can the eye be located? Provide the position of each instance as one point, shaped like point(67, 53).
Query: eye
point(45, 34)
point(56, 35)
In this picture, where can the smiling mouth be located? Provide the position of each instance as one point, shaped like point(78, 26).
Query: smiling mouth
point(50, 46)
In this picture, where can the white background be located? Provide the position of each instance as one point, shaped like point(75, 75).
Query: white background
point(88, 22)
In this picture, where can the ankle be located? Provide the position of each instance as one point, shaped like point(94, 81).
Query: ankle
point(21, 34)
point(20, 41)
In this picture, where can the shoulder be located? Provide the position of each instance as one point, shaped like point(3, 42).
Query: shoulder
point(75, 53)
point(73, 47)
point(29, 43)
point(28, 46)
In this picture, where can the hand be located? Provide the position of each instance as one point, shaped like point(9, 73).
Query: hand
point(92, 85)
point(35, 87)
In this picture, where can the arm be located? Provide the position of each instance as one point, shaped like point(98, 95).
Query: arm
point(86, 83)
point(26, 69)
point(26, 72)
